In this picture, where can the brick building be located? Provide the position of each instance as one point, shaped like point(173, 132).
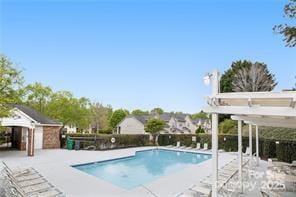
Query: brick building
point(31, 130)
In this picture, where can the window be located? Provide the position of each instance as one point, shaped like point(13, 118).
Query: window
point(118, 130)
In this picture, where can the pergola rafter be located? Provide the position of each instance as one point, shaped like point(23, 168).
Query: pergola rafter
point(254, 110)
point(285, 122)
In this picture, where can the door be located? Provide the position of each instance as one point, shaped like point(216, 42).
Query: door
point(38, 137)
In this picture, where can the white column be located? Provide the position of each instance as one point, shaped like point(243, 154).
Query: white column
point(240, 157)
point(215, 91)
point(215, 154)
point(250, 143)
point(257, 146)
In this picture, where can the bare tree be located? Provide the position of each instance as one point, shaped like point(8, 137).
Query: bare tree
point(253, 79)
point(288, 30)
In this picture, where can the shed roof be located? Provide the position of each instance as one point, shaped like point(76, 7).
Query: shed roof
point(37, 116)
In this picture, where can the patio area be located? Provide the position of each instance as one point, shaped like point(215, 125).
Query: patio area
point(55, 166)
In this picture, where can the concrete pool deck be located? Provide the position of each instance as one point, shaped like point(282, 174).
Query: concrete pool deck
point(55, 166)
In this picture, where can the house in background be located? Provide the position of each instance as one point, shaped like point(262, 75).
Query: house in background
point(174, 124)
point(30, 129)
point(92, 128)
point(70, 129)
point(183, 123)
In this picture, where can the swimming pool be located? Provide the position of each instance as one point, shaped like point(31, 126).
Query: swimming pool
point(144, 167)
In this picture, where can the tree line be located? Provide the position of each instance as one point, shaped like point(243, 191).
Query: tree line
point(242, 76)
point(62, 106)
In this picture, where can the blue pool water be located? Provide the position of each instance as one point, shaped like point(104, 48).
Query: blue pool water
point(142, 168)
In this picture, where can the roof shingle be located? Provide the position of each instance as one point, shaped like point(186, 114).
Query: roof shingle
point(36, 115)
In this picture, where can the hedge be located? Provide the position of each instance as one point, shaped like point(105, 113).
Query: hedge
point(103, 142)
point(285, 150)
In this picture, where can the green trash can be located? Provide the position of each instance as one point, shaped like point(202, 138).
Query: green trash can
point(70, 144)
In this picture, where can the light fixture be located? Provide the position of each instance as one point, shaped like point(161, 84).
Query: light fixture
point(32, 125)
point(207, 79)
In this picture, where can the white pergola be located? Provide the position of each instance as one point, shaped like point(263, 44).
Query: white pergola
point(275, 109)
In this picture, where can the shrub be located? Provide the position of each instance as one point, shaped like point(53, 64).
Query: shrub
point(172, 139)
point(103, 141)
point(277, 133)
point(269, 149)
point(205, 138)
point(285, 151)
point(228, 142)
point(106, 131)
point(293, 151)
point(166, 139)
point(199, 130)
point(227, 126)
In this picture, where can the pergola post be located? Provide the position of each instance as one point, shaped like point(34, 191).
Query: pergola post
point(257, 146)
point(215, 154)
point(31, 142)
point(215, 91)
point(250, 144)
point(240, 157)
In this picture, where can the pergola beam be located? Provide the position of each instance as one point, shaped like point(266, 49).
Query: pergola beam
point(274, 124)
point(266, 119)
point(257, 95)
point(291, 126)
point(254, 110)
